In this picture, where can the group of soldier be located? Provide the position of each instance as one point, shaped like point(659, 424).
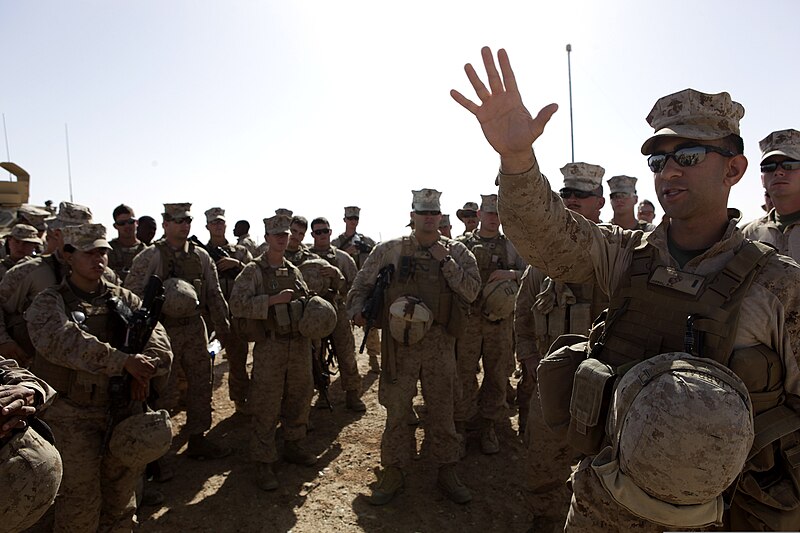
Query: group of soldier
point(659, 371)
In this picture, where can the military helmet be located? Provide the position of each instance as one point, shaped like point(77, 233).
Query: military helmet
point(311, 270)
point(682, 427)
point(318, 320)
point(180, 299)
point(141, 438)
point(409, 320)
point(498, 298)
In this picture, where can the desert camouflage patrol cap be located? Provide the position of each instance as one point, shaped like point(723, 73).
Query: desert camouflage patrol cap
point(626, 184)
point(284, 211)
point(69, 214)
point(86, 237)
point(583, 176)
point(489, 203)
point(215, 213)
point(782, 142)
point(691, 114)
point(426, 200)
point(25, 233)
point(277, 224)
point(445, 221)
point(33, 216)
point(173, 211)
point(469, 209)
point(352, 211)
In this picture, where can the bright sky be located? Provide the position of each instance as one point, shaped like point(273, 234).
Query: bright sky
point(314, 105)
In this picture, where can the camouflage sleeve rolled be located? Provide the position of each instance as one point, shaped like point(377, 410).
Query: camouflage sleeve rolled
point(214, 300)
point(347, 265)
point(559, 242)
point(462, 274)
point(145, 264)
point(61, 341)
point(158, 346)
point(247, 297)
point(14, 289)
point(524, 324)
point(515, 261)
point(12, 374)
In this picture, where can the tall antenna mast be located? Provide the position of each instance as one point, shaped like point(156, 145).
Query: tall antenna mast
point(5, 134)
point(571, 127)
point(69, 166)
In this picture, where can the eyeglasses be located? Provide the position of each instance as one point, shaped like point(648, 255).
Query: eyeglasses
point(182, 220)
point(428, 213)
point(685, 157)
point(619, 195)
point(580, 195)
point(129, 222)
point(323, 231)
point(785, 165)
point(351, 218)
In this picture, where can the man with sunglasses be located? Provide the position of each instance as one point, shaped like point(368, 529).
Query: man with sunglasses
point(191, 284)
point(665, 289)
point(469, 216)
point(351, 241)
point(623, 198)
point(440, 274)
point(126, 246)
point(780, 175)
point(342, 336)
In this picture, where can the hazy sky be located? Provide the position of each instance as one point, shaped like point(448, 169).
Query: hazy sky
point(315, 105)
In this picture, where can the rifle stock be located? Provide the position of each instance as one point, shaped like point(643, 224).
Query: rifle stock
point(373, 307)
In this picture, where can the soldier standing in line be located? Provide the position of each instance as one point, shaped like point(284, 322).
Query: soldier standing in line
point(445, 228)
point(780, 175)
point(190, 284)
point(488, 337)
point(342, 336)
point(21, 243)
point(242, 233)
point(646, 211)
point(425, 303)
point(146, 229)
point(661, 462)
point(126, 246)
point(623, 198)
point(236, 347)
point(267, 294)
point(296, 252)
point(544, 310)
point(72, 329)
point(469, 216)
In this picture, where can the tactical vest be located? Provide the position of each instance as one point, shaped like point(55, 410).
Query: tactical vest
point(121, 257)
point(300, 256)
point(80, 387)
point(419, 274)
point(491, 254)
point(329, 255)
point(282, 319)
point(575, 318)
point(186, 266)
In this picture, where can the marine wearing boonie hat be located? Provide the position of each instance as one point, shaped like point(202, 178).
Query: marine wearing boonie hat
point(691, 114)
point(781, 142)
point(86, 237)
point(488, 203)
point(623, 184)
point(277, 224)
point(25, 233)
point(426, 200)
point(215, 213)
point(469, 209)
point(352, 211)
point(583, 176)
point(69, 214)
point(177, 211)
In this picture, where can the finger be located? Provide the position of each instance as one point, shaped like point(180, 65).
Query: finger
point(480, 89)
point(491, 70)
point(466, 103)
point(509, 80)
point(543, 118)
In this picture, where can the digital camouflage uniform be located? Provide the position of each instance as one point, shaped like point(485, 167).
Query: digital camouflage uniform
point(573, 250)
point(187, 335)
point(250, 244)
point(282, 384)
point(430, 361)
point(120, 258)
point(24, 233)
point(97, 492)
point(627, 185)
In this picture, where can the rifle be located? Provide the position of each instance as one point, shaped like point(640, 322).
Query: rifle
point(216, 253)
point(132, 330)
point(321, 368)
point(356, 241)
point(374, 304)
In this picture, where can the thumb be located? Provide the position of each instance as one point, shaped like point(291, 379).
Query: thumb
point(543, 118)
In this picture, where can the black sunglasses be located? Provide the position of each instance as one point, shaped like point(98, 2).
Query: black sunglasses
point(351, 218)
point(181, 220)
point(323, 231)
point(129, 222)
point(580, 195)
point(428, 213)
point(685, 157)
point(785, 165)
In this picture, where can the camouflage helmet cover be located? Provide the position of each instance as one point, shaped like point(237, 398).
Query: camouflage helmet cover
point(498, 299)
point(316, 282)
point(141, 438)
point(318, 320)
point(409, 320)
point(180, 299)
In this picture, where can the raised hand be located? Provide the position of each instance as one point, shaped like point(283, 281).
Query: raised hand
point(506, 122)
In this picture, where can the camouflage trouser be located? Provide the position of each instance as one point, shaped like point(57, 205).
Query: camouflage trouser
point(548, 466)
point(525, 391)
point(492, 343)
point(236, 350)
point(592, 510)
point(190, 352)
point(431, 361)
point(97, 493)
point(280, 390)
point(346, 350)
point(374, 342)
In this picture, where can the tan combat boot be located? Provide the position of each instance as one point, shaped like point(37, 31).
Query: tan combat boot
point(391, 483)
point(296, 454)
point(489, 442)
point(451, 486)
point(265, 477)
point(353, 402)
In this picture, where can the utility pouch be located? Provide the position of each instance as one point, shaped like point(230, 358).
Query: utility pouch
point(555, 375)
point(283, 320)
point(296, 308)
point(588, 407)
